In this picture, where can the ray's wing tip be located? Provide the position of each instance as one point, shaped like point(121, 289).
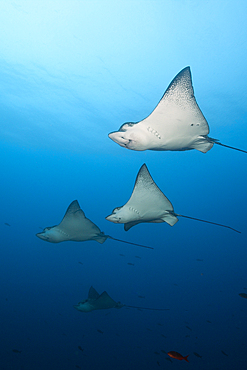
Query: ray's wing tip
point(74, 204)
point(186, 69)
point(143, 171)
point(144, 166)
point(184, 72)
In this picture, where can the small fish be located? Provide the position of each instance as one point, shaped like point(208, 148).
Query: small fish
point(243, 295)
point(100, 331)
point(122, 255)
point(168, 359)
point(131, 264)
point(198, 259)
point(81, 349)
point(188, 327)
point(210, 322)
point(80, 263)
point(137, 257)
point(156, 353)
point(158, 323)
point(197, 354)
point(177, 356)
point(6, 223)
point(16, 351)
point(158, 363)
point(141, 296)
point(224, 353)
point(78, 367)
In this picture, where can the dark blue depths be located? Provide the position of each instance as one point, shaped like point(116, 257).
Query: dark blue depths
point(71, 72)
point(195, 270)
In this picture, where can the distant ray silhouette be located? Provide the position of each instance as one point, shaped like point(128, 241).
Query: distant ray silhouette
point(176, 123)
point(96, 301)
point(76, 227)
point(148, 204)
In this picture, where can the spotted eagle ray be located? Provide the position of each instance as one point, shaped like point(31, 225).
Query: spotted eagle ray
point(76, 227)
point(148, 204)
point(96, 301)
point(177, 123)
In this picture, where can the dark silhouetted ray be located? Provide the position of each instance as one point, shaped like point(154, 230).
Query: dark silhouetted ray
point(96, 301)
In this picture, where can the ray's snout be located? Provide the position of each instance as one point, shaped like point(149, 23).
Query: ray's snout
point(42, 236)
point(113, 218)
point(118, 138)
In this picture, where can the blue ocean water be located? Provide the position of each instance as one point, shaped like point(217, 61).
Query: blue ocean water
point(71, 72)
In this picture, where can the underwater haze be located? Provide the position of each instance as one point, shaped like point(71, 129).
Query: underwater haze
point(73, 71)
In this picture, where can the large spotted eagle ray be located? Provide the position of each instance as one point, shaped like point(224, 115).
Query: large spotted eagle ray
point(177, 123)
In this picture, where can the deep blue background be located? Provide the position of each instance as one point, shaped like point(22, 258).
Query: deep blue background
point(71, 72)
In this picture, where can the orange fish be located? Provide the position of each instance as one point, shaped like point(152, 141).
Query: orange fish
point(177, 355)
point(243, 295)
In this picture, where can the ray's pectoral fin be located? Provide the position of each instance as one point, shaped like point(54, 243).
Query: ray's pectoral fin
point(203, 143)
point(105, 301)
point(129, 225)
point(170, 218)
point(101, 238)
point(92, 293)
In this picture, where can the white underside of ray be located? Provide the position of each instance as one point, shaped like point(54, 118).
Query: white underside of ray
point(146, 204)
point(77, 227)
point(74, 227)
point(84, 306)
point(177, 122)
